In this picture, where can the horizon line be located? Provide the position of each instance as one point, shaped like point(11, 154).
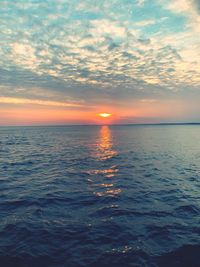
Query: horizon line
point(120, 124)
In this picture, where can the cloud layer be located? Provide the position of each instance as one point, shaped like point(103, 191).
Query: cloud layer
point(92, 52)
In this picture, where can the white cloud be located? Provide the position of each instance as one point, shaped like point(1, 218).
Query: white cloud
point(24, 54)
point(144, 23)
point(106, 27)
point(188, 8)
point(140, 3)
point(13, 100)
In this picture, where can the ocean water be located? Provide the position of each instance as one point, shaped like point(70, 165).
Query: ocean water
point(100, 196)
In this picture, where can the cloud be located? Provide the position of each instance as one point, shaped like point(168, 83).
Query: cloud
point(107, 28)
point(197, 5)
point(148, 100)
point(144, 23)
point(140, 3)
point(12, 100)
point(188, 8)
point(185, 6)
point(24, 55)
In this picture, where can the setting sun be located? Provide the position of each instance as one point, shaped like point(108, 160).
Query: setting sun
point(105, 115)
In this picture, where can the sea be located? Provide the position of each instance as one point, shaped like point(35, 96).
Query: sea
point(100, 196)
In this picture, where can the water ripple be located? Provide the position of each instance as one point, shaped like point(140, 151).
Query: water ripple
point(95, 196)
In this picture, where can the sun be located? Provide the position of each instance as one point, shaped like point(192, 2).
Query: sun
point(105, 115)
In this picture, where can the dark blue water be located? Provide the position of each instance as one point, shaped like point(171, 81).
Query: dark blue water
point(100, 196)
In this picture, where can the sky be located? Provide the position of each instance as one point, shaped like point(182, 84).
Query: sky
point(65, 61)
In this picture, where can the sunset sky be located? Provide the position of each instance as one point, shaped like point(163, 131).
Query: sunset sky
point(65, 61)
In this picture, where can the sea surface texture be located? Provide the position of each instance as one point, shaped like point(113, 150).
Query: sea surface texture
point(100, 196)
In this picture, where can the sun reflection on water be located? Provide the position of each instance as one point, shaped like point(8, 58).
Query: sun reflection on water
point(105, 145)
point(104, 153)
